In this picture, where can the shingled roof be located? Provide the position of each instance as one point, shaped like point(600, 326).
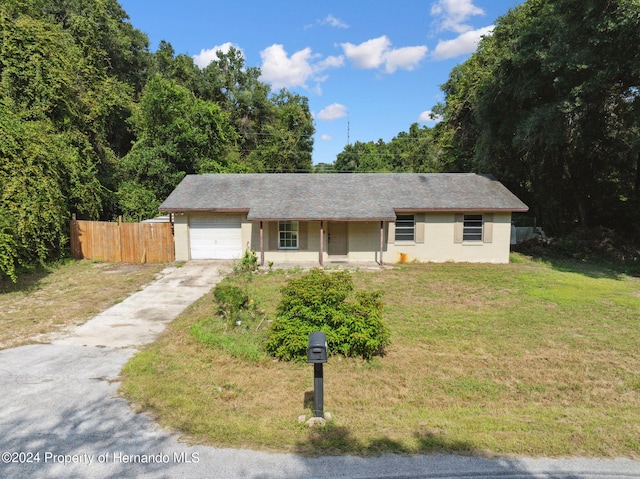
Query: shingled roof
point(340, 196)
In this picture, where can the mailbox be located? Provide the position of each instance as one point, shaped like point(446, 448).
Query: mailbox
point(317, 351)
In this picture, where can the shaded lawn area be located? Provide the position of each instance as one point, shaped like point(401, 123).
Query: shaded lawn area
point(521, 359)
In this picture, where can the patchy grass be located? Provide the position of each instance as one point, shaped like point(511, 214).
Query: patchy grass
point(524, 359)
point(63, 295)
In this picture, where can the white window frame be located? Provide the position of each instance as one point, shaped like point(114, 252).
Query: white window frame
point(288, 235)
point(405, 228)
point(473, 228)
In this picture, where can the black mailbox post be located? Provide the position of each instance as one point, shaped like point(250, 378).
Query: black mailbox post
point(317, 354)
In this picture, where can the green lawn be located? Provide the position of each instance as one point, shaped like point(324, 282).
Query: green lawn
point(528, 358)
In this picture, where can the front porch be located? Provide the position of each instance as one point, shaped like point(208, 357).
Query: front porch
point(328, 265)
point(325, 243)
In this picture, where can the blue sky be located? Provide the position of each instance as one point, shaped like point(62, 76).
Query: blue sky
point(369, 68)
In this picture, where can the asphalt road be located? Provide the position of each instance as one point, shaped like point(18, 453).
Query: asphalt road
point(61, 416)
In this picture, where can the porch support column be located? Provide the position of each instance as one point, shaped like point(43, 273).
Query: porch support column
point(381, 240)
point(321, 258)
point(261, 244)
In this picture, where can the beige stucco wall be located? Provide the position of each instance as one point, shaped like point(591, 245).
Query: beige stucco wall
point(181, 236)
point(271, 252)
point(439, 245)
point(363, 242)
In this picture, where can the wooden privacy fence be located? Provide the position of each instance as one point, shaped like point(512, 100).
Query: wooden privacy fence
point(122, 242)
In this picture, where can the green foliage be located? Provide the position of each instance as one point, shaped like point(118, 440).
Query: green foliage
point(288, 138)
point(242, 344)
point(597, 246)
point(417, 151)
point(61, 100)
point(92, 123)
point(248, 263)
point(9, 249)
point(178, 134)
point(136, 202)
point(230, 298)
point(33, 190)
point(235, 329)
point(317, 302)
point(550, 104)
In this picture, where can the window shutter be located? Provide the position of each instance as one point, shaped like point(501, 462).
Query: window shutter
point(302, 236)
point(273, 236)
point(487, 228)
point(457, 228)
point(419, 227)
point(391, 232)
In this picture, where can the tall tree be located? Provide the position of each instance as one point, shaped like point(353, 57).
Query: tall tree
point(238, 90)
point(68, 74)
point(363, 157)
point(413, 151)
point(550, 102)
point(286, 141)
point(177, 134)
point(47, 165)
point(34, 191)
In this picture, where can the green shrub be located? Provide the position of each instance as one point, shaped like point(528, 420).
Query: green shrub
point(317, 302)
point(237, 327)
point(248, 263)
point(231, 300)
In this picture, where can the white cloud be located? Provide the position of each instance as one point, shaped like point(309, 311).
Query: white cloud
point(326, 138)
point(462, 45)
point(406, 58)
point(333, 21)
point(429, 117)
point(377, 52)
point(329, 62)
point(284, 72)
point(369, 54)
point(333, 112)
point(453, 13)
point(207, 56)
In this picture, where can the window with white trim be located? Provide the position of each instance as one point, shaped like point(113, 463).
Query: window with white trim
point(288, 234)
point(405, 228)
point(472, 228)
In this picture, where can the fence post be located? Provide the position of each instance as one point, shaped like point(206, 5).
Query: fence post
point(120, 241)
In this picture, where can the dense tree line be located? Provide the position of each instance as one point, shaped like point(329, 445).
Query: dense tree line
point(93, 123)
point(413, 151)
point(549, 104)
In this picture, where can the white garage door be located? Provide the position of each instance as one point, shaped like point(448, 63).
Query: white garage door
point(215, 238)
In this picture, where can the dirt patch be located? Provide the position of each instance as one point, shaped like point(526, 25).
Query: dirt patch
point(57, 298)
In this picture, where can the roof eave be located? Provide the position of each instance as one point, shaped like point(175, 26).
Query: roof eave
point(334, 219)
point(466, 210)
point(202, 210)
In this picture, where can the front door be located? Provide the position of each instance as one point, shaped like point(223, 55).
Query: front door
point(337, 238)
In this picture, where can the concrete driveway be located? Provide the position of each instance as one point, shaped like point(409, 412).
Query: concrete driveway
point(60, 414)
